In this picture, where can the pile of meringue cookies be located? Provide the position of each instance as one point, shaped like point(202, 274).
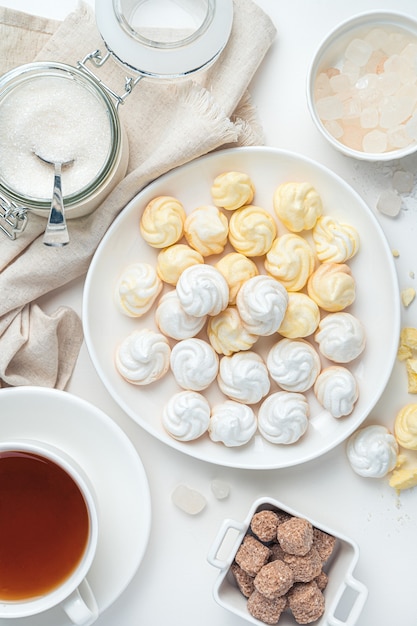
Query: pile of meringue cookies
point(212, 317)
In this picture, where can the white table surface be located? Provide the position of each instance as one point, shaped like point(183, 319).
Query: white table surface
point(174, 581)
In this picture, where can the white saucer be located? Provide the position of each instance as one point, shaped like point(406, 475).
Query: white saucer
point(115, 470)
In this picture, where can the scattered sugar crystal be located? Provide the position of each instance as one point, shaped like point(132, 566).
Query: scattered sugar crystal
point(376, 62)
point(329, 108)
point(395, 43)
point(403, 181)
point(376, 37)
point(220, 489)
point(352, 108)
point(334, 128)
point(369, 117)
point(340, 83)
point(188, 500)
point(358, 51)
point(351, 70)
point(367, 81)
point(407, 296)
point(395, 253)
point(389, 202)
point(388, 83)
point(322, 86)
point(397, 137)
point(375, 141)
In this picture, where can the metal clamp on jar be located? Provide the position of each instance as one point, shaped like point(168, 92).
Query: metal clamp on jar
point(41, 104)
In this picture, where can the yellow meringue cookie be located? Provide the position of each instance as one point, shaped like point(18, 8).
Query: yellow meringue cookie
point(232, 190)
point(227, 333)
point(237, 269)
point(403, 478)
point(334, 241)
point(301, 318)
point(162, 221)
point(405, 427)
point(290, 260)
point(252, 230)
point(172, 261)
point(332, 286)
point(297, 205)
point(206, 229)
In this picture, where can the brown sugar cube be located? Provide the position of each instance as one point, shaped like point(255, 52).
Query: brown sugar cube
point(276, 552)
point(305, 567)
point(306, 602)
point(267, 611)
point(295, 536)
point(252, 555)
point(274, 579)
point(264, 525)
point(324, 543)
point(243, 580)
point(321, 580)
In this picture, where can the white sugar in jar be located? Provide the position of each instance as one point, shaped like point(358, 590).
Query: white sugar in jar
point(61, 114)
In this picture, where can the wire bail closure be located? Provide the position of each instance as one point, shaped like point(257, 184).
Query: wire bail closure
point(13, 218)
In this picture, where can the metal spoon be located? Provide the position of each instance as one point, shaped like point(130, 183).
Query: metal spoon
point(56, 232)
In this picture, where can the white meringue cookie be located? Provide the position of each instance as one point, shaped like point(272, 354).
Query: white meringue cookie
point(186, 415)
point(290, 260)
point(227, 333)
point(137, 289)
point(262, 302)
point(232, 423)
point(301, 318)
point(194, 363)
point(337, 390)
point(143, 357)
point(202, 290)
point(252, 230)
point(372, 451)
point(206, 229)
point(162, 221)
point(232, 190)
point(173, 321)
point(341, 337)
point(283, 417)
point(294, 364)
point(334, 241)
point(244, 377)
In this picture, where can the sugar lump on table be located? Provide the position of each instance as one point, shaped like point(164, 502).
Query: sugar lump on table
point(143, 357)
point(162, 221)
point(232, 423)
point(137, 288)
point(290, 260)
point(231, 190)
point(252, 230)
point(194, 363)
point(186, 415)
point(283, 417)
point(294, 364)
point(336, 390)
point(243, 377)
point(206, 229)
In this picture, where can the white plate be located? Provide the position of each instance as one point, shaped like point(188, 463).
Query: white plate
point(110, 460)
point(377, 303)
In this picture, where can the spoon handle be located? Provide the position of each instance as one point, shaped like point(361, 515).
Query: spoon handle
point(56, 232)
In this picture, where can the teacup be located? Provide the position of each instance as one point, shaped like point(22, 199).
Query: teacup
point(48, 533)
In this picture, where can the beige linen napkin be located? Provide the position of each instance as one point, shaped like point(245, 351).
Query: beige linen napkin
point(167, 124)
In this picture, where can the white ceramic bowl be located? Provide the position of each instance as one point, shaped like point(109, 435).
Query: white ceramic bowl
point(344, 595)
point(330, 54)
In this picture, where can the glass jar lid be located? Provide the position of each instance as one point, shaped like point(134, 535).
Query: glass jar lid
point(165, 38)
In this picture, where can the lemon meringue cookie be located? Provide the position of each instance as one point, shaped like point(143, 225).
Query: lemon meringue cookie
point(237, 269)
point(231, 190)
point(186, 415)
point(137, 289)
point(335, 241)
point(405, 427)
point(290, 260)
point(232, 423)
point(294, 364)
point(244, 377)
point(173, 321)
point(194, 363)
point(298, 205)
point(372, 451)
point(283, 417)
point(332, 286)
point(202, 290)
point(143, 357)
point(340, 337)
point(227, 333)
point(252, 230)
point(262, 302)
point(162, 221)
point(336, 390)
point(206, 229)
point(301, 318)
point(172, 261)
